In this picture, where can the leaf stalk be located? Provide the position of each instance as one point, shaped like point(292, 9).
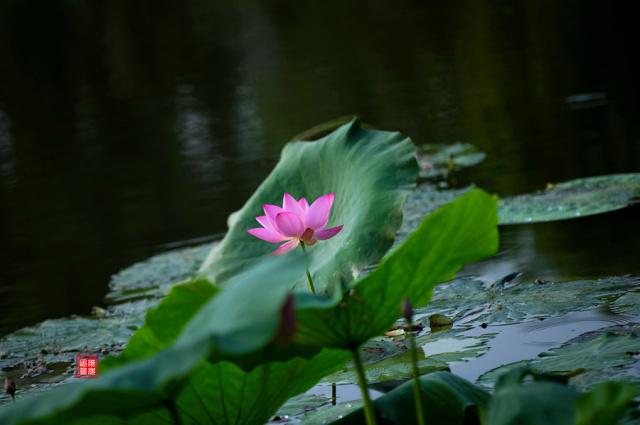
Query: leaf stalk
point(369, 413)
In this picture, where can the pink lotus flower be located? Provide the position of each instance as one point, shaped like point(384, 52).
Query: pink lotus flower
point(296, 222)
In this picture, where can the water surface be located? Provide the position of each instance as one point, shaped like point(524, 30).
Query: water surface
point(126, 125)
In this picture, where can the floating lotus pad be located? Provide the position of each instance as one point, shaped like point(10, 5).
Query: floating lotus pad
point(154, 276)
point(328, 414)
point(572, 199)
point(301, 404)
point(396, 367)
point(439, 160)
point(628, 303)
point(588, 359)
point(525, 300)
point(575, 198)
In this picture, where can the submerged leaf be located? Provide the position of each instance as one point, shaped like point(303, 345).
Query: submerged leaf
point(371, 173)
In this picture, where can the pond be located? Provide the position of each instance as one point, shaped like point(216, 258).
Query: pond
point(126, 129)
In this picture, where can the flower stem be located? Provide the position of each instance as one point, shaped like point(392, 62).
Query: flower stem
point(417, 391)
point(173, 410)
point(309, 279)
point(369, 413)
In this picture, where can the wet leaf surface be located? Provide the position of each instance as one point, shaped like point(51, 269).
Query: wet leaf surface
point(575, 198)
point(154, 277)
point(301, 404)
point(328, 414)
point(472, 299)
point(561, 201)
point(371, 173)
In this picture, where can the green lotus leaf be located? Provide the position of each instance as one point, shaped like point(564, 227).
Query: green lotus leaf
point(153, 277)
point(608, 350)
point(540, 403)
point(548, 400)
point(371, 173)
point(588, 359)
point(571, 199)
point(234, 326)
point(164, 322)
point(561, 201)
point(396, 367)
point(458, 233)
point(526, 300)
point(447, 399)
point(329, 414)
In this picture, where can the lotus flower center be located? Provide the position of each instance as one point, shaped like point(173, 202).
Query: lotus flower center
point(307, 237)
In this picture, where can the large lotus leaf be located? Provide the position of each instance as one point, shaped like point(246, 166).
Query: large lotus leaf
point(371, 173)
point(132, 388)
point(235, 327)
point(460, 232)
point(447, 400)
point(425, 199)
point(213, 393)
point(223, 393)
point(164, 322)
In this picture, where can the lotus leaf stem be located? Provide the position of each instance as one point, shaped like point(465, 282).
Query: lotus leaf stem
point(369, 413)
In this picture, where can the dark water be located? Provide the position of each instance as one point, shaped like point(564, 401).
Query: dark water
point(127, 125)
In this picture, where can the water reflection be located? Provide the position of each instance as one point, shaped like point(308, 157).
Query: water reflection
point(524, 341)
point(126, 125)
